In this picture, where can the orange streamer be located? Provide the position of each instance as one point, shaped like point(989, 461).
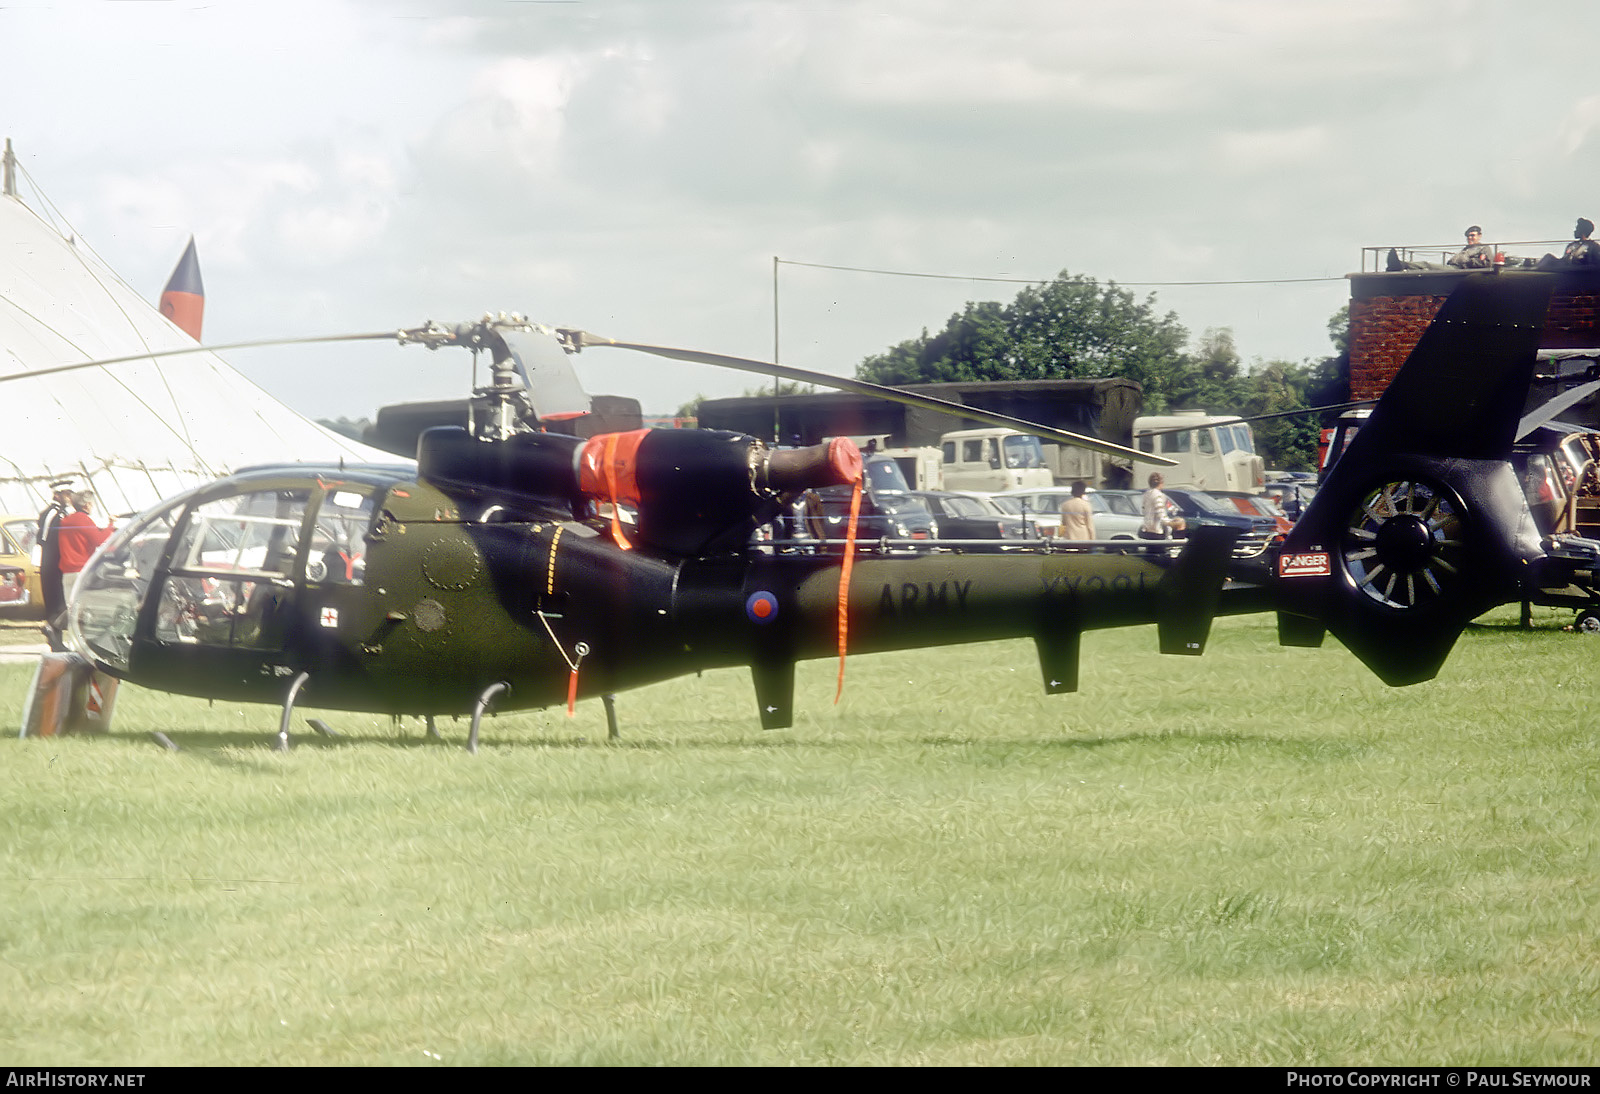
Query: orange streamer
point(844, 581)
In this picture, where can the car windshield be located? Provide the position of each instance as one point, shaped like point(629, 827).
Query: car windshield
point(1024, 452)
point(885, 475)
point(1235, 438)
point(900, 504)
point(1011, 505)
point(962, 507)
point(21, 534)
point(1206, 503)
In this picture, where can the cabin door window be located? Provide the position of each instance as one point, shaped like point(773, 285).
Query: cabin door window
point(231, 577)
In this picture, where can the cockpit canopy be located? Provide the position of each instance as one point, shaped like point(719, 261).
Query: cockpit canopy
point(214, 566)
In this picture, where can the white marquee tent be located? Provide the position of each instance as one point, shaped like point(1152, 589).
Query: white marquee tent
point(133, 432)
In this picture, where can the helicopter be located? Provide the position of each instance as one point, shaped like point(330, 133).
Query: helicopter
point(512, 566)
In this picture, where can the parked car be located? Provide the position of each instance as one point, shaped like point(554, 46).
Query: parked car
point(1021, 506)
point(825, 515)
point(1197, 507)
point(971, 516)
point(1115, 516)
point(19, 594)
point(888, 511)
point(1292, 495)
point(1200, 507)
point(1256, 505)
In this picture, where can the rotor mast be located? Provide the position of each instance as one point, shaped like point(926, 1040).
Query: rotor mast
point(502, 407)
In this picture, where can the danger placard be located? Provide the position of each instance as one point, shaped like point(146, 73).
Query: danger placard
point(1307, 564)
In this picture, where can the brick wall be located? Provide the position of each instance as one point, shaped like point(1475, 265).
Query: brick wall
point(1383, 331)
point(1389, 312)
point(1570, 323)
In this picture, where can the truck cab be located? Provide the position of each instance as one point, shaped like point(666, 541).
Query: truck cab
point(987, 460)
point(1213, 452)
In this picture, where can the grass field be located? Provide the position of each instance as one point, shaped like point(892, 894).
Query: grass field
point(1261, 856)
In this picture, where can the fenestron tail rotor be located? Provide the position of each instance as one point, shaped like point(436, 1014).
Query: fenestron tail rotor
point(1405, 543)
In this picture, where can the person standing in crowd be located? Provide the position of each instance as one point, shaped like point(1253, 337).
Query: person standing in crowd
point(1156, 510)
point(79, 536)
point(49, 545)
point(1077, 515)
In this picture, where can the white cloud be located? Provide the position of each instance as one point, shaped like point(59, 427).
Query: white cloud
point(1272, 150)
point(632, 165)
point(1578, 125)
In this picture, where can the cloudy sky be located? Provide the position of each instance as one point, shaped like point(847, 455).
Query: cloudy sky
point(633, 167)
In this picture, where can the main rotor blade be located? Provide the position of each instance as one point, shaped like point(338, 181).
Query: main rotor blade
point(582, 339)
point(1536, 418)
point(180, 350)
point(1300, 413)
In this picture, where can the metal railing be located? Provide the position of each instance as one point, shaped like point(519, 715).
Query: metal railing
point(1375, 259)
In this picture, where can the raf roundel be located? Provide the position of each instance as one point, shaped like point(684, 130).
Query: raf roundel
point(762, 607)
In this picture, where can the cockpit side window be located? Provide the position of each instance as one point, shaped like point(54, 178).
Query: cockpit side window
point(338, 537)
point(230, 580)
point(250, 533)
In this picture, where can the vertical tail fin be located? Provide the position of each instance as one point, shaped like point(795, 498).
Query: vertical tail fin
point(1422, 526)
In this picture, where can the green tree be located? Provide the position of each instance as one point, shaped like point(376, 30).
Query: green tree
point(1287, 442)
point(1069, 328)
point(1329, 382)
point(1075, 328)
point(1211, 380)
point(1339, 329)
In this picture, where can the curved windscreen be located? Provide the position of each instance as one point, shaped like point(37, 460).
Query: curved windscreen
point(112, 587)
point(221, 573)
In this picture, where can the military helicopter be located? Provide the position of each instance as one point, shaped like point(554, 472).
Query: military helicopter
point(516, 567)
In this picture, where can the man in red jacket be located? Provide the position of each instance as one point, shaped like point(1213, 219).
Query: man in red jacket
point(79, 536)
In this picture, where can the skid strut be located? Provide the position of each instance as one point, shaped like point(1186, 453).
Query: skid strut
point(477, 712)
point(288, 711)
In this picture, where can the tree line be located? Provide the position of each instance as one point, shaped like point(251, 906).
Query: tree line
point(1076, 328)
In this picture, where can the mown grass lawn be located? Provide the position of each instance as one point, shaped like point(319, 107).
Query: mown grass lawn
point(1261, 856)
